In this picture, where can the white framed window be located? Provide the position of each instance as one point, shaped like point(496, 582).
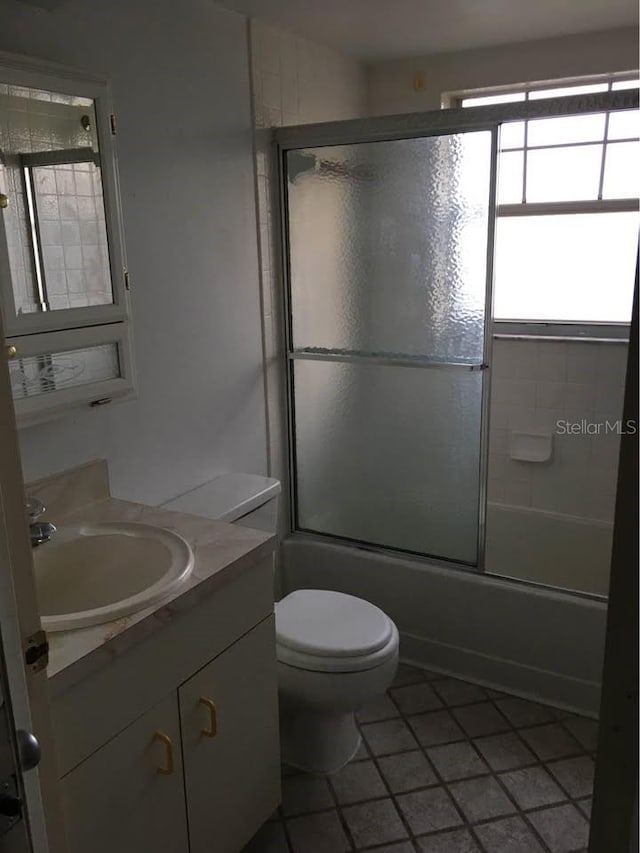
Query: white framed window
point(567, 212)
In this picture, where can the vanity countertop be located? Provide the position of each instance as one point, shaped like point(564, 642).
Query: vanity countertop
point(222, 552)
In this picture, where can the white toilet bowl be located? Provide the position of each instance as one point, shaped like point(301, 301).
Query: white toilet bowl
point(336, 653)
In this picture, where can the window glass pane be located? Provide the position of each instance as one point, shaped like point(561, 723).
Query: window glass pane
point(555, 131)
point(512, 134)
point(579, 268)
point(564, 174)
point(510, 177)
point(625, 84)
point(621, 173)
point(624, 125)
point(38, 374)
point(563, 91)
point(507, 98)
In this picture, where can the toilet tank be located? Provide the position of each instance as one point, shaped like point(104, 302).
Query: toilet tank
point(246, 499)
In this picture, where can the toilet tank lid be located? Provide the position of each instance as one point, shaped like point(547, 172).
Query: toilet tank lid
point(227, 497)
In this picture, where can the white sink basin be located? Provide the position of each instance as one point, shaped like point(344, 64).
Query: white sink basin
point(93, 573)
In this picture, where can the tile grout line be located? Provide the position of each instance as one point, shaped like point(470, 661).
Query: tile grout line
point(420, 678)
point(442, 784)
point(511, 728)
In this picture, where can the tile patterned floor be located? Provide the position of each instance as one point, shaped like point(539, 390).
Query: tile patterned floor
point(446, 767)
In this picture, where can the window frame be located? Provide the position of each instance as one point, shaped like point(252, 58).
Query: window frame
point(618, 331)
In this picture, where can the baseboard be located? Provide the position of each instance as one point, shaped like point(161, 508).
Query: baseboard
point(551, 688)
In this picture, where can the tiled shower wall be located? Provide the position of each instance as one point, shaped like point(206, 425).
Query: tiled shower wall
point(534, 385)
point(295, 81)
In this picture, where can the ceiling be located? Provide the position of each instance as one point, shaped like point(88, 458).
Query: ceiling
point(386, 29)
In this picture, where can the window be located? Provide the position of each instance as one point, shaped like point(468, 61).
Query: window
point(567, 229)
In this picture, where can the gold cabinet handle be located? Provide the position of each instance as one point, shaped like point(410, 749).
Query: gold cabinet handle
point(212, 731)
point(11, 351)
point(168, 769)
point(4, 201)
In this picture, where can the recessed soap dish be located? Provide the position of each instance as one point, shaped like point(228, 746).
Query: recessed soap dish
point(531, 446)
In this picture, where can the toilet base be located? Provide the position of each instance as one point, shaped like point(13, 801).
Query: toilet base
point(320, 743)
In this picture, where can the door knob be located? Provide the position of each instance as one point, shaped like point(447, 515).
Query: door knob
point(4, 201)
point(29, 751)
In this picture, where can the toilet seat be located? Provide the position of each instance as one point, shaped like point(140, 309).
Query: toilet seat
point(326, 631)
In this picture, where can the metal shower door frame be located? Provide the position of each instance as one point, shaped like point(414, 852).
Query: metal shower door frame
point(411, 126)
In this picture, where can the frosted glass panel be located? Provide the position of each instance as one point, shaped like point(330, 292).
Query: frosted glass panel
point(388, 245)
point(389, 456)
point(39, 374)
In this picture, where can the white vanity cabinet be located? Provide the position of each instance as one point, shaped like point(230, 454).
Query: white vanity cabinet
point(229, 721)
point(196, 771)
point(117, 800)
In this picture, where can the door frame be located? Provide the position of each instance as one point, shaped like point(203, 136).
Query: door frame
point(20, 619)
point(410, 126)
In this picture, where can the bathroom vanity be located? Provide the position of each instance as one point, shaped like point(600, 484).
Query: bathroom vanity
point(166, 720)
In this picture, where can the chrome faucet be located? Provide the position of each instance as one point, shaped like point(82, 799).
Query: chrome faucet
point(39, 531)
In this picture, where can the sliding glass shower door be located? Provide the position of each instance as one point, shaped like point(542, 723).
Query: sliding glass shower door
point(388, 252)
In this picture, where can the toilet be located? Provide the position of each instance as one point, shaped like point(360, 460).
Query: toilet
point(336, 652)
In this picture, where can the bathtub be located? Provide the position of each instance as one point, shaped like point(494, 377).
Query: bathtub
point(548, 547)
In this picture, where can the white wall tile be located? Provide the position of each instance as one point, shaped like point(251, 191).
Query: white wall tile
point(579, 383)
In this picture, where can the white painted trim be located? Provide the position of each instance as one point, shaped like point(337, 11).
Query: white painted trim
point(20, 618)
point(98, 90)
point(45, 407)
point(539, 685)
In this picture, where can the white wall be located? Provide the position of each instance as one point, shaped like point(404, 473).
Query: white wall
point(391, 87)
point(180, 79)
point(295, 81)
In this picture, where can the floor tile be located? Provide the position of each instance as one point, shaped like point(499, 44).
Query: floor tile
point(574, 774)
point(375, 822)
point(428, 811)
point(458, 841)
point(521, 712)
point(585, 807)
point(318, 833)
point(480, 719)
point(432, 676)
point(532, 787)
point(508, 835)
point(381, 708)
point(398, 847)
point(387, 737)
point(481, 799)
point(505, 751)
point(435, 727)
point(363, 753)
point(270, 838)
point(585, 731)
point(407, 675)
point(454, 692)
point(456, 761)
point(551, 741)
point(304, 793)
point(563, 828)
point(406, 771)
point(415, 698)
point(357, 782)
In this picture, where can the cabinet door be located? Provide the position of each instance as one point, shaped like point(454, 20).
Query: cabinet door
point(229, 720)
point(128, 796)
